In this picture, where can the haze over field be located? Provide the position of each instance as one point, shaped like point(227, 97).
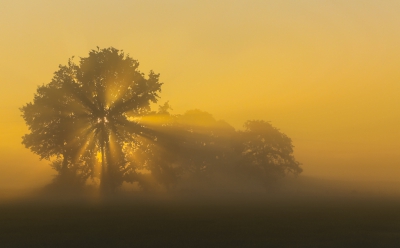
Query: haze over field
point(324, 72)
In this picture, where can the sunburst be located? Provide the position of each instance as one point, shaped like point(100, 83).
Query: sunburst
point(83, 112)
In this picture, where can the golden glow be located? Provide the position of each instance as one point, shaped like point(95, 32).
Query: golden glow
point(153, 120)
point(88, 139)
point(324, 72)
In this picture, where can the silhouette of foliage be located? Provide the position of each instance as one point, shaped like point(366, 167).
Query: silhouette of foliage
point(266, 153)
point(199, 151)
point(85, 112)
point(93, 121)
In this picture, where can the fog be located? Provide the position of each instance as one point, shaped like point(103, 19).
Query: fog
point(213, 111)
point(290, 190)
point(323, 73)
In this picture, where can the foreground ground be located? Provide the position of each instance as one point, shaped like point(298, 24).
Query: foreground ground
point(194, 221)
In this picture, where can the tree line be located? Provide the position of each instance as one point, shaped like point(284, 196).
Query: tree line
point(93, 121)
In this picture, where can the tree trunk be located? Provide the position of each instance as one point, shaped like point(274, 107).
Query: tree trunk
point(104, 184)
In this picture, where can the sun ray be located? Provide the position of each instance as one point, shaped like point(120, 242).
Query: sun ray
point(83, 111)
point(89, 139)
point(80, 133)
point(153, 120)
point(78, 94)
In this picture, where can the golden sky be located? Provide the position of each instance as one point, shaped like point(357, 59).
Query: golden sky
point(325, 72)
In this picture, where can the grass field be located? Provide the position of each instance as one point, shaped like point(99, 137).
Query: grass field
point(206, 221)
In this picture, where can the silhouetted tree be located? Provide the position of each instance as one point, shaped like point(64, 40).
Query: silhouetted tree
point(93, 120)
point(201, 152)
point(188, 147)
point(266, 154)
point(205, 144)
point(206, 153)
point(83, 118)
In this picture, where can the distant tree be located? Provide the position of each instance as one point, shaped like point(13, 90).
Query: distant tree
point(206, 144)
point(82, 119)
point(203, 153)
point(266, 154)
point(188, 147)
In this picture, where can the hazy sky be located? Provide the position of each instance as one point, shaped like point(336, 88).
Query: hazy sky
point(325, 72)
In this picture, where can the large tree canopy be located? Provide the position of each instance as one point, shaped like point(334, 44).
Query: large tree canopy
point(93, 120)
point(85, 111)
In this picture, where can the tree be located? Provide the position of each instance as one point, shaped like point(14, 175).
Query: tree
point(93, 120)
point(266, 154)
point(199, 152)
point(83, 118)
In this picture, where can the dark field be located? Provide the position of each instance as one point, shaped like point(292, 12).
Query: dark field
point(217, 221)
